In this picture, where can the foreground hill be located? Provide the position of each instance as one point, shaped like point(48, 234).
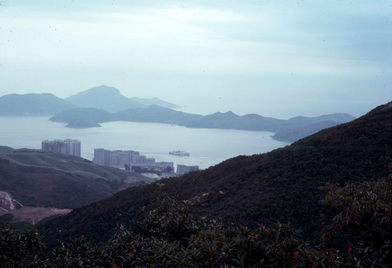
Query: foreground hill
point(70, 164)
point(47, 187)
point(11, 210)
point(282, 185)
point(36, 184)
point(44, 179)
point(32, 104)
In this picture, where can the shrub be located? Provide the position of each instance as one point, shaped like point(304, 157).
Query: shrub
point(170, 236)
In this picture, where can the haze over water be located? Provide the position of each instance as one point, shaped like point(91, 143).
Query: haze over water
point(206, 146)
point(275, 58)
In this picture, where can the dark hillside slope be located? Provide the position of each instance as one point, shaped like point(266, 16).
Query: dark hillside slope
point(282, 185)
point(46, 187)
point(70, 164)
point(47, 179)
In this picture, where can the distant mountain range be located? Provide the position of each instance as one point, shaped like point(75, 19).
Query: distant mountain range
point(32, 104)
point(280, 186)
point(102, 97)
point(110, 99)
point(105, 104)
point(286, 130)
point(292, 133)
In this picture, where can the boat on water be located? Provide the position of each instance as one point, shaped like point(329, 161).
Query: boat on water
point(179, 153)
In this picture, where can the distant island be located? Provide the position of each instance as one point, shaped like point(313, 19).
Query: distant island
point(102, 104)
point(102, 97)
point(285, 130)
point(32, 105)
point(110, 99)
point(82, 124)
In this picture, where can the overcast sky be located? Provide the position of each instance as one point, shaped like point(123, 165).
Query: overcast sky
point(275, 58)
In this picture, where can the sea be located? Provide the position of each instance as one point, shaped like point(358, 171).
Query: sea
point(207, 147)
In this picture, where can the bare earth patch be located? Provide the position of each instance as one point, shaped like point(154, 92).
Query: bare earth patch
point(35, 214)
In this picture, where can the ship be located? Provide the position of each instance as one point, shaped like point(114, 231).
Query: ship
point(179, 153)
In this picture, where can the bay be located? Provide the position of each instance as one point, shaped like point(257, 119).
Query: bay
point(207, 147)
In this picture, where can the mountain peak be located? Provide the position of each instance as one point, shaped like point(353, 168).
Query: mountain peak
point(103, 97)
point(229, 113)
point(103, 89)
point(110, 99)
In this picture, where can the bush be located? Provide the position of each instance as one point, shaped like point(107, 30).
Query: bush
point(19, 249)
point(358, 236)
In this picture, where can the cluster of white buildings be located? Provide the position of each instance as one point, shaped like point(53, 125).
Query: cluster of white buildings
point(132, 160)
point(120, 159)
point(128, 160)
point(71, 147)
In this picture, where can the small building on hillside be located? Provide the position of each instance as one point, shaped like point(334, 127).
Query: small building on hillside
point(183, 169)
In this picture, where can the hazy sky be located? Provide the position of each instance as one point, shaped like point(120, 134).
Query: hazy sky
point(275, 58)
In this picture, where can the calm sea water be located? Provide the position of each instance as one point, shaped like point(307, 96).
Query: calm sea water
point(206, 146)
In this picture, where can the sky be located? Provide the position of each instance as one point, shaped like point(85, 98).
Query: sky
point(271, 57)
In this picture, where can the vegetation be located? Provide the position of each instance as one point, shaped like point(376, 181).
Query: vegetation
point(49, 187)
point(350, 227)
point(36, 178)
point(279, 186)
point(359, 235)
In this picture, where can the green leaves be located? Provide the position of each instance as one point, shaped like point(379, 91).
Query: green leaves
point(19, 247)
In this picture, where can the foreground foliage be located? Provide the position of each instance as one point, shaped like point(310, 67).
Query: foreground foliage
point(358, 236)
